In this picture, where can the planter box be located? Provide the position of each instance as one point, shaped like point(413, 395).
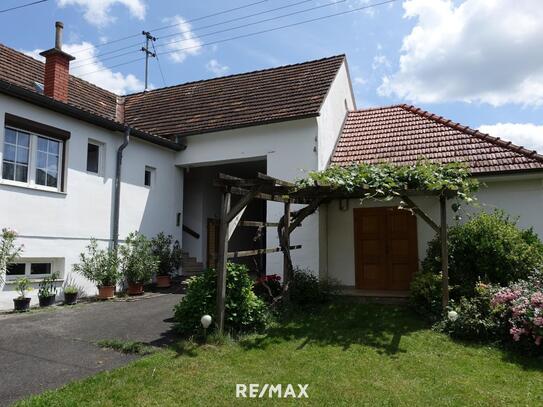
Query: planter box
point(21, 304)
point(47, 301)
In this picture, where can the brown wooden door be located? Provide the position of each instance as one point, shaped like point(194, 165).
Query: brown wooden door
point(386, 255)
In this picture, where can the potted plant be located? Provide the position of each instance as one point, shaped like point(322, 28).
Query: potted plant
point(47, 291)
point(169, 256)
point(137, 262)
point(101, 267)
point(9, 252)
point(22, 302)
point(70, 295)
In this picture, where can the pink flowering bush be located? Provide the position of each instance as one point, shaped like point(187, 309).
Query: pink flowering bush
point(520, 306)
point(268, 287)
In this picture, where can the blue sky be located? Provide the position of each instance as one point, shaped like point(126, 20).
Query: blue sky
point(477, 62)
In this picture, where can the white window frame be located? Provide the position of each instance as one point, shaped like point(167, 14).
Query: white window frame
point(152, 170)
point(101, 155)
point(28, 264)
point(32, 162)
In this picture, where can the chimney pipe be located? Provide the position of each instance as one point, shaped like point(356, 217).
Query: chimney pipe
point(57, 68)
point(58, 34)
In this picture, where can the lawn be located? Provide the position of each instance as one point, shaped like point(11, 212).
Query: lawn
point(348, 354)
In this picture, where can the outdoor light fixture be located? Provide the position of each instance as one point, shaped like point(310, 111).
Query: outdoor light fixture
point(206, 321)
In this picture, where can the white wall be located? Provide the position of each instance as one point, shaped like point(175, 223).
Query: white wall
point(518, 196)
point(290, 151)
point(58, 225)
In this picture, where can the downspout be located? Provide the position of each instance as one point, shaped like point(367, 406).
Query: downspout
point(117, 202)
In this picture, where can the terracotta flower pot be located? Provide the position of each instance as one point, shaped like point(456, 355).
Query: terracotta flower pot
point(135, 288)
point(163, 281)
point(70, 298)
point(106, 292)
point(21, 304)
point(47, 301)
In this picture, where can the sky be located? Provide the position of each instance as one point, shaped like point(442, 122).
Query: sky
point(477, 62)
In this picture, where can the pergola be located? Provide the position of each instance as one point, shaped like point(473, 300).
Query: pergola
point(265, 187)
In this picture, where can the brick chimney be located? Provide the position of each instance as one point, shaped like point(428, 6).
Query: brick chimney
point(57, 68)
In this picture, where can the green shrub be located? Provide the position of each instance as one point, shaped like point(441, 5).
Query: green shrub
point(306, 289)
point(244, 311)
point(98, 265)
point(473, 318)
point(168, 253)
point(137, 262)
point(490, 248)
point(425, 294)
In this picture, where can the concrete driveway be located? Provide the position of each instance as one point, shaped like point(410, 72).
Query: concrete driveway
point(45, 350)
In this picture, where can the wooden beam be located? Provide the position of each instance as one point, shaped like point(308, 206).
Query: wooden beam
point(277, 181)
point(286, 244)
point(256, 224)
point(248, 253)
point(444, 252)
point(259, 195)
point(222, 257)
point(421, 213)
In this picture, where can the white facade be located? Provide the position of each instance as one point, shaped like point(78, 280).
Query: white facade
point(519, 196)
point(290, 150)
point(56, 226)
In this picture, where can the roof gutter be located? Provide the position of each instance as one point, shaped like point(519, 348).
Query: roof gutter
point(38, 99)
point(117, 197)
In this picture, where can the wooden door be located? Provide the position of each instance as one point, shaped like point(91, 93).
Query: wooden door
point(386, 254)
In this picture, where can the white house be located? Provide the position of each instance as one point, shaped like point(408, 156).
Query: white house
point(61, 140)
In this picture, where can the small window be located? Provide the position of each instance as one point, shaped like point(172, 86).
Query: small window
point(47, 162)
point(16, 155)
point(16, 269)
point(149, 176)
point(93, 158)
point(36, 268)
point(40, 268)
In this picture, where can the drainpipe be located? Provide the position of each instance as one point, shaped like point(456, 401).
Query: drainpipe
point(117, 202)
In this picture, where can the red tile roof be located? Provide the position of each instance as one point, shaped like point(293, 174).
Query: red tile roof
point(403, 134)
point(23, 70)
point(254, 98)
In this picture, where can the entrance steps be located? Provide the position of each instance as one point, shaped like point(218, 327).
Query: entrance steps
point(190, 266)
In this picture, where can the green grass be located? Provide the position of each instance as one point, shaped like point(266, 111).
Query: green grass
point(349, 354)
point(128, 347)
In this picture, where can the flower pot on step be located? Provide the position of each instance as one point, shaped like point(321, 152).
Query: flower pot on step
point(47, 301)
point(21, 304)
point(135, 288)
point(163, 281)
point(70, 298)
point(106, 292)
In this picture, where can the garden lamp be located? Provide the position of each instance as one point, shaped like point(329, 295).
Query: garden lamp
point(206, 322)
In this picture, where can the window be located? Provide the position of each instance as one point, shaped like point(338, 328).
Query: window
point(16, 155)
point(148, 179)
point(16, 269)
point(47, 162)
point(32, 269)
point(93, 157)
point(31, 159)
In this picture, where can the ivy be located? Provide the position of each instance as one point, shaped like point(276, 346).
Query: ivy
point(387, 181)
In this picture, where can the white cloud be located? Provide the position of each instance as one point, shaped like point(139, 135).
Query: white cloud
point(358, 80)
point(524, 134)
point(216, 67)
point(477, 51)
point(106, 78)
point(185, 43)
point(380, 61)
point(98, 12)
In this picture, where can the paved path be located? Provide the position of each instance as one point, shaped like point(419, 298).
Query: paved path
point(47, 349)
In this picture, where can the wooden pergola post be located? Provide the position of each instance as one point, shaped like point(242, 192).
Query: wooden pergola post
point(444, 251)
point(286, 246)
point(222, 257)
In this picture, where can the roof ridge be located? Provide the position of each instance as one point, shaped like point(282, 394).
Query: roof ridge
point(533, 154)
point(370, 109)
point(343, 56)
